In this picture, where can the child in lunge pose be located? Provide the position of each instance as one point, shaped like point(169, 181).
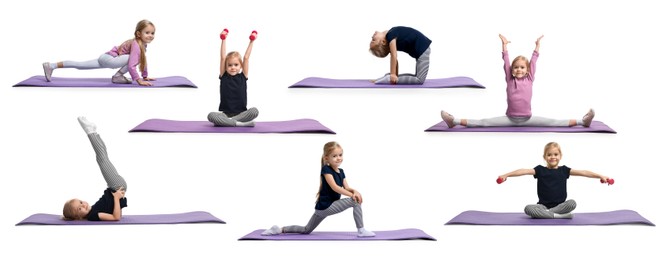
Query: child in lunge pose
point(552, 185)
point(519, 80)
point(329, 202)
point(125, 56)
point(109, 206)
point(405, 39)
point(233, 74)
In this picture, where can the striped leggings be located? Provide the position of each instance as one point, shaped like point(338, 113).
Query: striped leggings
point(540, 211)
point(422, 67)
point(336, 207)
point(113, 179)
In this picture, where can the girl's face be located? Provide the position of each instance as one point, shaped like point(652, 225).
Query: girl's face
point(552, 157)
point(519, 69)
point(233, 66)
point(335, 158)
point(377, 39)
point(82, 208)
point(147, 34)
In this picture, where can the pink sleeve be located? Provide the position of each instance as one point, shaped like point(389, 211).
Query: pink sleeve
point(507, 65)
point(533, 64)
point(133, 61)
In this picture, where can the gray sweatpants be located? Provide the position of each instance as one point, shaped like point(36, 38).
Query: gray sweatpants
point(516, 121)
point(422, 67)
point(104, 61)
point(113, 179)
point(336, 207)
point(540, 211)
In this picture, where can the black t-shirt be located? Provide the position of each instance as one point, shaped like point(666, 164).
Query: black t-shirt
point(105, 205)
point(326, 195)
point(233, 93)
point(551, 185)
point(408, 40)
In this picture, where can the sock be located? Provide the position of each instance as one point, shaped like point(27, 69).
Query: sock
point(362, 232)
point(274, 230)
point(88, 127)
point(53, 65)
point(566, 215)
point(245, 124)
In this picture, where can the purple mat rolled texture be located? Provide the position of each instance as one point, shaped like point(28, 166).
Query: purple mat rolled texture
point(455, 82)
point(178, 218)
point(40, 81)
point(401, 234)
point(595, 127)
point(174, 126)
point(618, 217)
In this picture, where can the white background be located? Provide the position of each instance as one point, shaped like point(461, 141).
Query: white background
point(611, 57)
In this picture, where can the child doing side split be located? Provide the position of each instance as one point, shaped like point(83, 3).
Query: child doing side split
point(126, 56)
point(552, 185)
point(233, 74)
point(519, 80)
point(329, 202)
point(405, 39)
point(109, 206)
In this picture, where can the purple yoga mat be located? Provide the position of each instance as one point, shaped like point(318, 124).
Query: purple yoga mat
point(618, 217)
point(178, 218)
point(40, 81)
point(595, 127)
point(174, 126)
point(455, 82)
point(402, 234)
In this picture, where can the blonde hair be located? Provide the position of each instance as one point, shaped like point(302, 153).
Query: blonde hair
point(233, 55)
point(328, 148)
point(521, 58)
point(70, 211)
point(141, 25)
point(380, 50)
point(552, 145)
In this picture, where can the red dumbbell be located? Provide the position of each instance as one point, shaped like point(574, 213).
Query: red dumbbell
point(609, 180)
point(500, 180)
point(224, 34)
point(253, 35)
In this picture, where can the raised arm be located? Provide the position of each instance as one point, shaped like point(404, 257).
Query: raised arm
point(589, 174)
point(116, 214)
point(538, 43)
point(224, 35)
point(504, 42)
point(247, 54)
point(519, 172)
point(394, 67)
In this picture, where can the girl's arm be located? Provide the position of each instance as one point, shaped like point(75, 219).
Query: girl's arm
point(245, 63)
point(116, 214)
point(519, 172)
point(331, 182)
point(223, 53)
point(589, 174)
point(356, 195)
point(394, 67)
point(538, 43)
point(504, 42)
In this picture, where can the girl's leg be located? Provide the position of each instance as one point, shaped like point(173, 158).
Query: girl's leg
point(538, 211)
point(336, 207)
point(81, 65)
point(111, 62)
point(543, 121)
point(247, 115)
point(221, 119)
point(564, 207)
point(488, 122)
point(111, 176)
point(422, 67)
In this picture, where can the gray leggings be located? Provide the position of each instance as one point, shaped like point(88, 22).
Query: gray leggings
point(422, 67)
point(540, 211)
point(517, 121)
point(104, 61)
point(113, 179)
point(320, 215)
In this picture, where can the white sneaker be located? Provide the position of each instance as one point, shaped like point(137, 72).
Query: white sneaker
point(120, 79)
point(47, 71)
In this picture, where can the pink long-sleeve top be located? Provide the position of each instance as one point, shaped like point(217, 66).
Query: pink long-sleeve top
point(131, 48)
point(519, 91)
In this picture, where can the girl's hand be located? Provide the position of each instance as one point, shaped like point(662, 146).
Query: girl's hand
point(149, 79)
point(504, 40)
point(538, 40)
point(357, 197)
point(393, 78)
point(144, 83)
point(119, 194)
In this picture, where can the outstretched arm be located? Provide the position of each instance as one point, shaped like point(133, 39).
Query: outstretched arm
point(538, 43)
point(504, 42)
point(589, 174)
point(245, 63)
point(224, 34)
point(519, 172)
point(394, 67)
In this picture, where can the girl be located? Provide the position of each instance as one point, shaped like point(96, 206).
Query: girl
point(233, 74)
point(519, 80)
point(329, 202)
point(108, 207)
point(552, 185)
point(405, 39)
point(126, 56)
